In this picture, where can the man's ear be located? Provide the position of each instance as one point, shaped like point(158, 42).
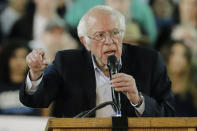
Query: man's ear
point(83, 41)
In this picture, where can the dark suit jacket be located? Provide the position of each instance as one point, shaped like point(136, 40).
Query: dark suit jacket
point(71, 84)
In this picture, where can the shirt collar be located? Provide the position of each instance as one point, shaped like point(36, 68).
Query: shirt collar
point(96, 67)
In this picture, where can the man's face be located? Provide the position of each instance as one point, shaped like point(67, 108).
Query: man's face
point(103, 38)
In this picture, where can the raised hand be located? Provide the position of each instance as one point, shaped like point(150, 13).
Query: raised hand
point(37, 63)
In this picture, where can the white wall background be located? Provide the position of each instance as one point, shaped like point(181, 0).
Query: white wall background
point(22, 123)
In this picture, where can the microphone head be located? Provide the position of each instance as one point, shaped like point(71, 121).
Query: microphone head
point(112, 62)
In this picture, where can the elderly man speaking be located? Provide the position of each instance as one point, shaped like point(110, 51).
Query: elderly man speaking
point(78, 80)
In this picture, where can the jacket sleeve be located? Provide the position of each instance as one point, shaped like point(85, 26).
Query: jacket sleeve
point(48, 88)
point(161, 101)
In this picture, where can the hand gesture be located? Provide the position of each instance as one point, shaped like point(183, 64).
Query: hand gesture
point(37, 63)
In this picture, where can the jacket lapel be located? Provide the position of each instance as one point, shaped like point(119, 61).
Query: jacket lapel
point(91, 82)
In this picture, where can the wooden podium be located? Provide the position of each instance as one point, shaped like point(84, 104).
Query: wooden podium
point(134, 124)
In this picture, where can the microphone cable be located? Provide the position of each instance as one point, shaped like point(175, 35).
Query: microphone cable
point(90, 112)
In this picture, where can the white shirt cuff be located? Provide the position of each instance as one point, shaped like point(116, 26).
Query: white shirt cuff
point(31, 86)
point(139, 110)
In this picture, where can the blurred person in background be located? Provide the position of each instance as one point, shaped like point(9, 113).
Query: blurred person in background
point(32, 25)
point(14, 10)
point(143, 14)
point(187, 28)
point(180, 69)
point(163, 11)
point(133, 33)
point(188, 34)
point(55, 38)
point(13, 70)
point(188, 12)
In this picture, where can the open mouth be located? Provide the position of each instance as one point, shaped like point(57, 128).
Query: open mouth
point(111, 52)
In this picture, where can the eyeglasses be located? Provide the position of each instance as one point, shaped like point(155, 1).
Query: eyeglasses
point(101, 36)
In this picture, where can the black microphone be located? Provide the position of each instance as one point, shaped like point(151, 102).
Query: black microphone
point(113, 66)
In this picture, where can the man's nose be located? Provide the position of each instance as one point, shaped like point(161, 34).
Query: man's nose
point(108, 40)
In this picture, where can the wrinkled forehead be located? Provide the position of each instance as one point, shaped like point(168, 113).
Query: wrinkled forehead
point(102, 21)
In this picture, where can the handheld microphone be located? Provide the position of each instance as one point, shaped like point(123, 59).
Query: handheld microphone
point(113, 66)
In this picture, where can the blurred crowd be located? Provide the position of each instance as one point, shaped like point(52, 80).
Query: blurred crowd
point(168, 26)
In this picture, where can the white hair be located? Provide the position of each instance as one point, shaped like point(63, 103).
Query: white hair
point(82, 29)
